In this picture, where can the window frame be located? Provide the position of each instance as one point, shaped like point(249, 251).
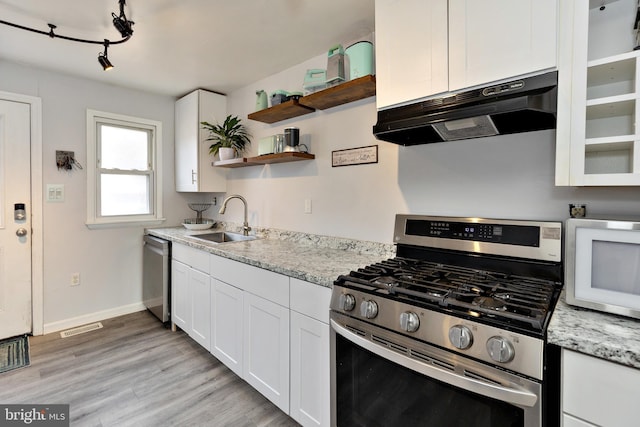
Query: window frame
point(94, 171)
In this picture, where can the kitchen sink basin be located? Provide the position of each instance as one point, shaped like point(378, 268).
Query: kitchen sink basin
point(224, 237)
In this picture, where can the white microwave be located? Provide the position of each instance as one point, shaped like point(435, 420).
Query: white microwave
point(602, 264)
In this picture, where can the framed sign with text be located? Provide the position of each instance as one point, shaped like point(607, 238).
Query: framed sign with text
point(355, 156)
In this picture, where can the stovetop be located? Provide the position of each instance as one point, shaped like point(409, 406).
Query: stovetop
point(504, 273)
point(500, 299)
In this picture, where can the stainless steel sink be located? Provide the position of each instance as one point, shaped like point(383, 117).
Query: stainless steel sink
point(223, 237)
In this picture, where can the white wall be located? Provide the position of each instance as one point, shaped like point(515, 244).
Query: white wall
point(109, 261)
point(510, 176)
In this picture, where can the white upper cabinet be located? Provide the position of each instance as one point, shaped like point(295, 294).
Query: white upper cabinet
point(493, 40)
point(411, 50)
point(194, 172)
point(426, 48)
point(597, 140)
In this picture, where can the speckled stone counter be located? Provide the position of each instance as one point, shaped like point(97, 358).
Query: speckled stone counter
point(312, 258)
point(608, 336)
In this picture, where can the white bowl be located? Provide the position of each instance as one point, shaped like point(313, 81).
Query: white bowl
point(194, 224)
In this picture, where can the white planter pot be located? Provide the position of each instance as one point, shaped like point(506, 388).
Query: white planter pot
point(226, 153)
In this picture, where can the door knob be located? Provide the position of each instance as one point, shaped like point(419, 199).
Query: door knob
point(21, 232)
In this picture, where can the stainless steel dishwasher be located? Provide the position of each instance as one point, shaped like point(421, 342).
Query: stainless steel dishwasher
point(156, 283)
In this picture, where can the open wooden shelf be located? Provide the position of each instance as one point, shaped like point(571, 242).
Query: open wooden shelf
point(285, 110)
point(234, 163)
point(353, 90)
point(292, 156)
point(265, 159)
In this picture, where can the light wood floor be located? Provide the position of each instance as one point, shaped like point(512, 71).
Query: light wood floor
point(134, 372)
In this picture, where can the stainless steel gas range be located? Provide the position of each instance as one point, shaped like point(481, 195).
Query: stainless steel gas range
point(452, 331)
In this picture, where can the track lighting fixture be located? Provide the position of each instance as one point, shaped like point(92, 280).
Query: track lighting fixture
point(120, 22)
point(103, 59)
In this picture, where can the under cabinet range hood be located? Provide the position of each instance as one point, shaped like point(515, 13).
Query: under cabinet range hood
point(522, 105)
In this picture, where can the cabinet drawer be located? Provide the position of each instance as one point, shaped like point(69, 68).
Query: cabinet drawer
point(192, 257)
point(310, 300)
point(264, 283)
point(569, 421)
point(600, 392)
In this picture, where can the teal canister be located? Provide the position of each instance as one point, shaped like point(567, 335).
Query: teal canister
point(261, 100)
point(360, 59)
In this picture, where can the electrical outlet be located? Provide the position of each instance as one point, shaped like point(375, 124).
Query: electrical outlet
point(75, 279)
point(307, 206)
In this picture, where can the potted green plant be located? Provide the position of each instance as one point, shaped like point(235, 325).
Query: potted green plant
point(228, 139)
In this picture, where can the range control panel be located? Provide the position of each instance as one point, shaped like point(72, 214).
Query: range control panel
point(522, 235)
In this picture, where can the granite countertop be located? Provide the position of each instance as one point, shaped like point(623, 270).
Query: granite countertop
point(607, 336)
point(312, 258)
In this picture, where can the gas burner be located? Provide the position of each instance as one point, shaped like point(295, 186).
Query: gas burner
point(490, 303)
point(437, 293)
point(387, 281)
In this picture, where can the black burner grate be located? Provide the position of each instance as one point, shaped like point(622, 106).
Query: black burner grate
point(494, 296)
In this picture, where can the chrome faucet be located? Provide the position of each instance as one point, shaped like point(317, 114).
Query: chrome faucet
point(245, 225)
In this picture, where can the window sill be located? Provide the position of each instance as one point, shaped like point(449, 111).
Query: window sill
point(97, 225)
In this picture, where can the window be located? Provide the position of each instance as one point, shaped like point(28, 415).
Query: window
point(124, 180)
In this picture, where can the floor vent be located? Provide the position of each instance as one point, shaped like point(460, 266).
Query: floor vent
point(81, 330)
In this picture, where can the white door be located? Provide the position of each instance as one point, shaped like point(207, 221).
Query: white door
point(15, 232)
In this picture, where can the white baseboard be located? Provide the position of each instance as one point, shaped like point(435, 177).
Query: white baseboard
point(92, 317)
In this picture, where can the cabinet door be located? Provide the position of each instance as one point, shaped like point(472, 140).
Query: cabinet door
point(600, 392)
point(266, 349)
point(180, 299)
point(309, 371)
point(226, 325)
point(411, 50)
point(492, 40)
point(193, 168)
point(200, 288)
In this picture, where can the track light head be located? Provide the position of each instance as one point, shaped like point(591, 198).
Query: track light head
point(122, 25)
point(103, 59)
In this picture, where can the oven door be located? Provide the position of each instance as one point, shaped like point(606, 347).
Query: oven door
point(383, 379)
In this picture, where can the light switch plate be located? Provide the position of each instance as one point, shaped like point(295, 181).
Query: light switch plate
point(55, 193)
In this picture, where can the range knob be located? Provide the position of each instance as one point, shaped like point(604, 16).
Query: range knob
point(500, 349)
point(346, 302)
point(409, 321)
point(369, 309)
point(460, 337)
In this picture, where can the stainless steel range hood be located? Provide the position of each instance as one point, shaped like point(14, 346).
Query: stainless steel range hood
point(521, 105)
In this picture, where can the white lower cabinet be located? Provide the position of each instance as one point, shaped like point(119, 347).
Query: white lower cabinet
point(271, 330)
point(190, 293)
point(226, 324)
point(200, 308)
point(266, 349)
point(597, 392)
point(180, 296)
point(310, 360)
point(309, 370)
point(251, 329)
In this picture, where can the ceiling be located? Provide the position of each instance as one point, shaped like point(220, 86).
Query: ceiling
point(181, 45)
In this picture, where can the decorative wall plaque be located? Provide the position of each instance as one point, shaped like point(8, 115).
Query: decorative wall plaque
point(355, 156)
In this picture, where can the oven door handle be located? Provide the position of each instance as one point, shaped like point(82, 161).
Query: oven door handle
point(512, 395)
